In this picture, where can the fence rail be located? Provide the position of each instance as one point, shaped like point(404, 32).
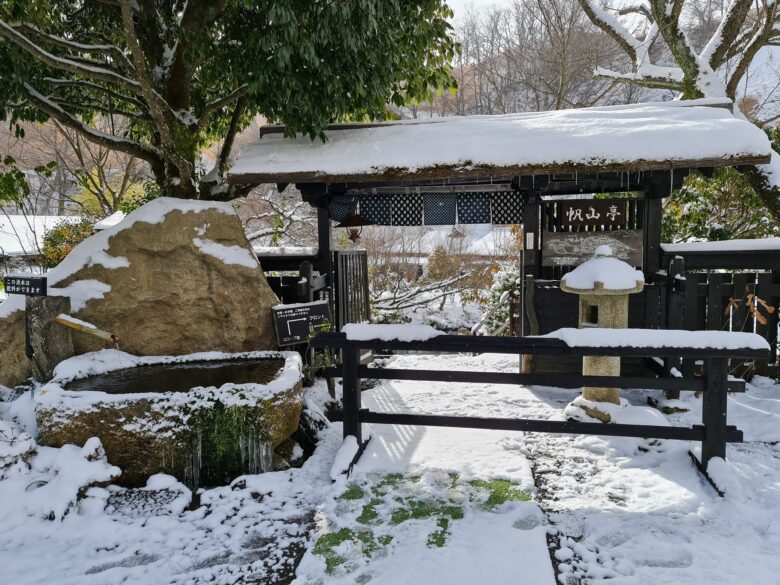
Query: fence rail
point(714, 434)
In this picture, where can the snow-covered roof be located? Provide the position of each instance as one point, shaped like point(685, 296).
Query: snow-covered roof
point(757, 245)
point(638, 137)
point(22, 235)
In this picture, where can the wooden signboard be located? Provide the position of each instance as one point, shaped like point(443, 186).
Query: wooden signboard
point(295, 323)
point(572, 249)
point(595, 212)
point(31, 286)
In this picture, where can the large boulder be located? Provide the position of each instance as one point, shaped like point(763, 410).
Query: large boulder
point(174, 277)
point(15, 368)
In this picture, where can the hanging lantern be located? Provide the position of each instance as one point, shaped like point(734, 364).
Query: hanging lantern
point(354, 223)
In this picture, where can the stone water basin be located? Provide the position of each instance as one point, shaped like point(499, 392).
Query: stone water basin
point(204, 418)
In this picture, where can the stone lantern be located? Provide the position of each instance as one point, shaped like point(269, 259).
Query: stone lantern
point(603, 284)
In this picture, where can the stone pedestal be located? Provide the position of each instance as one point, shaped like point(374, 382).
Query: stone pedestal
point(607, 311)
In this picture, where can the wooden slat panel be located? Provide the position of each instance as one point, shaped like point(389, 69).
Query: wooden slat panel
point(715, 302)
point(768, 330)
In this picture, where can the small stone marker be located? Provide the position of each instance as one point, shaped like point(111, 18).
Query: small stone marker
point(295, 323)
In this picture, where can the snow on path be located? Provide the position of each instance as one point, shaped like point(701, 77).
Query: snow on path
point(485, 546)
point(624, 516)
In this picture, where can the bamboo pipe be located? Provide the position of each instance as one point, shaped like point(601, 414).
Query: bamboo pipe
point(68, 321)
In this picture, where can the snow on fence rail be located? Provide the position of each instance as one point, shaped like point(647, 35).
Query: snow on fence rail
point(716, 352)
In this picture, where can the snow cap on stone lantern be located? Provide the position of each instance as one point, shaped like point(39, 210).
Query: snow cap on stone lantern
point(603, 274)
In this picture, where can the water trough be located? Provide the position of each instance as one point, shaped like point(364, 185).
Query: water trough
point(204, 418)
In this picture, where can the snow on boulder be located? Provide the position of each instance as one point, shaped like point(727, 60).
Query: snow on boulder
point(173, 277)
point(603, 273)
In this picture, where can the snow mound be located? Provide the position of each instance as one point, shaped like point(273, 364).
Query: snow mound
point(623, 413)
point(74, 470)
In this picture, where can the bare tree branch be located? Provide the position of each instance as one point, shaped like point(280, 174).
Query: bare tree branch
point(142, 151)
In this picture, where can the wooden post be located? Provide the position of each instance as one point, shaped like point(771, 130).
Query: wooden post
point(652, 232)
point(675, 291)
point(350, 387)
point(306, 289)
point(324, 246)
point(714, 410)
point(533, 236)
point(515, 327)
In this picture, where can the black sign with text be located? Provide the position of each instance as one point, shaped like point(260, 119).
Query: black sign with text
point(596, 212)
point(295, 323)
point(31, 286)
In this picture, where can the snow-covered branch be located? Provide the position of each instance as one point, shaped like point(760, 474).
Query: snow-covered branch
point(96, 87)
point(103, 49)
point(220, 103)
point(101, 73)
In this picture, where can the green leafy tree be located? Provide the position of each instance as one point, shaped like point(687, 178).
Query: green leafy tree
point(187, 73)
point(723, 207)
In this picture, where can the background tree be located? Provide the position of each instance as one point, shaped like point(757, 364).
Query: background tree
point(89, 178)
point(533, 55)
point(696, 49)
point(185, 73)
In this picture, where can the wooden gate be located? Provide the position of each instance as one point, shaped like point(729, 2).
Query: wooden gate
point(352, 301)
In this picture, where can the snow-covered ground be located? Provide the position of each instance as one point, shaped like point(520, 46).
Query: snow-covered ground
point(425, 505)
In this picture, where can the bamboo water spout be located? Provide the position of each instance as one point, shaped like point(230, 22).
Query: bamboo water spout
point(84, 327)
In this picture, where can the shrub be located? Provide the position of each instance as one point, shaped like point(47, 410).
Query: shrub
point(63, 237)
point(135, 198)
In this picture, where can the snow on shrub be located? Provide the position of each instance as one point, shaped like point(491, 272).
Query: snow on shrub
point(74, 470)
point(16, 447)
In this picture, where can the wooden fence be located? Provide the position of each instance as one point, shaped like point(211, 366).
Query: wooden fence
point(714, 433)
point(721, 301)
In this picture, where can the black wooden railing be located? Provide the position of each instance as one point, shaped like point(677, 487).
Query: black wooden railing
point(714, 433)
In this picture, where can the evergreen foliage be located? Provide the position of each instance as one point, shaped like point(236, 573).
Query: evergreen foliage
point(187, 73)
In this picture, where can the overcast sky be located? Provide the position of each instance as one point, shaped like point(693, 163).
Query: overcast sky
point(459, 6)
